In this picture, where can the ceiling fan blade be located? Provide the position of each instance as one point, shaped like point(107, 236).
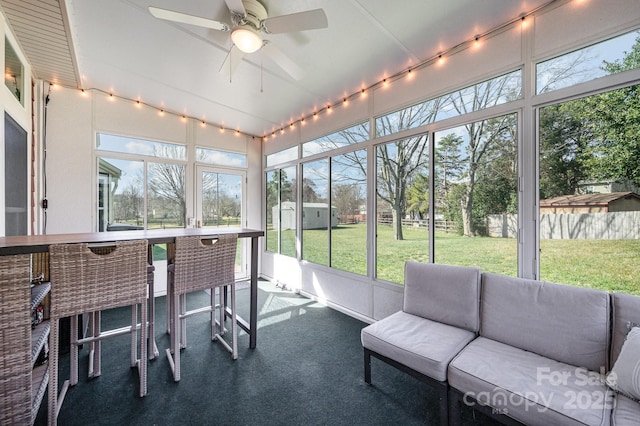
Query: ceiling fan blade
point(183, 18)
point(282, 60)
point(236, 7)
point(233, 59)
point(301, 21)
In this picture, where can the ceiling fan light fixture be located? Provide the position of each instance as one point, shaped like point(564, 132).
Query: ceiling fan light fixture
point(246, 39)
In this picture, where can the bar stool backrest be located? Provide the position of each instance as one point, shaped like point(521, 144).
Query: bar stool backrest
point(85, 281)
point(199, 265)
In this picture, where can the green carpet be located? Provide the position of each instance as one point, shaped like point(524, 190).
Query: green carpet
point(307, 369)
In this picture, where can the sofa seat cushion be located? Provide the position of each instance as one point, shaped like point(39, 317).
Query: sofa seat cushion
point(423, 345)
point(528, 387)
point(626, 412)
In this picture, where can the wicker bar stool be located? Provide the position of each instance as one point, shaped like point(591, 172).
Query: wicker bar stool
point(86, 282)
point(200, 265)
point(15, 345)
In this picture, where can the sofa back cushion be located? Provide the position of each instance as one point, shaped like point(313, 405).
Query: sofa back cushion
point(626, 313)
point(443, 293)
point(561, 322)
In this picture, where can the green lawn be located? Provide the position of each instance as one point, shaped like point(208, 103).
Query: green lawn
point(610, 265)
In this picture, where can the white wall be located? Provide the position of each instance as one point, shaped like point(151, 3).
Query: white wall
point(562, 27)
point(20, 112)
point(74, 119)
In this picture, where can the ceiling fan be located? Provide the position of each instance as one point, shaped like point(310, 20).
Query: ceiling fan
point(249, 20)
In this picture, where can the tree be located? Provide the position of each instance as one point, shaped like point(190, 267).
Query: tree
point(594, 138)
point(167, 183)
point(481, 136)
point(347, 199)
point(128, 204)
point(418, 196)
point(563, 144)
point(309, 191)
point(614, 120)
point(398, 162)
point(449, 161)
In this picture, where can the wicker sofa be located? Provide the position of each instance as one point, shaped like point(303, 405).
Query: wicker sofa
point(539, 355)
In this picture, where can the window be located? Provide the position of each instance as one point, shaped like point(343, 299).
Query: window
point(608, 57)
point(476, 199)
point(144, 147)
point(13, 72)
point(496, 91)
point(402, 171)
point(137, 190)
point(121, 189)
point(281, 211)
point(283, 156)
point(318, 214)
point(166, 205)
point(589, 186)
point(352, 135)
point(349, 204)
point(222, 158)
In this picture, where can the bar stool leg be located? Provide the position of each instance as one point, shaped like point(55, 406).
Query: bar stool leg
point(183, 321)
point(234, 325)
point(73, 379)
point(96, 352)
point(142, 362)
point(133, 334)
point(222, 297)
point(212, 313)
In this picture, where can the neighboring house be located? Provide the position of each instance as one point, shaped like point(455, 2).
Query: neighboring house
point(591, 203)
point(601, 187)
point(108, 177)
point(314, 215)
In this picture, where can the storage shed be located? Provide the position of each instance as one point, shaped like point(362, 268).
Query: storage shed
point(591, 203)
point(314, 215)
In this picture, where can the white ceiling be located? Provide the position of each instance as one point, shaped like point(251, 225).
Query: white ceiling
point(121, 48)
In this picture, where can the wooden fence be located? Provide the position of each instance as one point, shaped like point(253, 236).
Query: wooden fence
point(440, 225)
point(603, 226)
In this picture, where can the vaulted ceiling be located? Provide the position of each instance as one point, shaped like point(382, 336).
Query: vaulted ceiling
point(118, 47)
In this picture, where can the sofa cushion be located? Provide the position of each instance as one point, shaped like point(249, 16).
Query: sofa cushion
point(528, 387)
point(626, 313)
point(625, 374)
point(564, 323)
point(443, 293)
point(626, 412)
point(421, 344)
